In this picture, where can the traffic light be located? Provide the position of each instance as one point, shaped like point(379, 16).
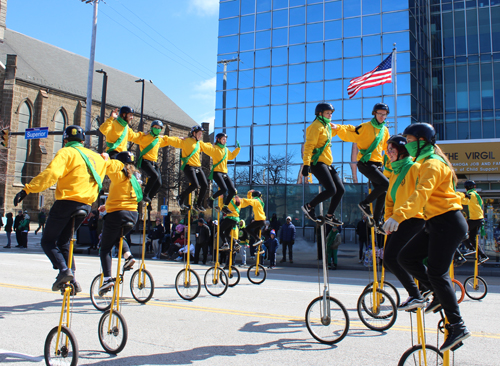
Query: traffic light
point(4, 144)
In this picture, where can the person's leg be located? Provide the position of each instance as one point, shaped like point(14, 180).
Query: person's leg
point(231, 190)
point(149, 170)
point(219, 179)
point(9, 242)
point(197, 249)
point(322, 173)
point(411, 257)
point(225, 229)
point(380, 183)
point(205, 252)
point(335, 252)
point(111, 231)
point(362, 244)
point(474, 226)
point(18, 238)
point(284, 244)
point(253, 229)
point(24, 237)
point(290, 251)
point(203, 184)
point(243, 252)
point(397, 240)
point(157, 185)
point(340, 190)
point(190, 173)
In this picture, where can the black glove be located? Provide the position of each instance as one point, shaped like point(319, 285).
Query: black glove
point(19, 197)
point(305, 170)
point(467, 195)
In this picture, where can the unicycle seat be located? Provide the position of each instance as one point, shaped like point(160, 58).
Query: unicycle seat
point(127, 226)
point(79, 213)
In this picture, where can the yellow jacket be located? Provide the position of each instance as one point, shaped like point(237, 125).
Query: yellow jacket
point(121, 196)
point(112, 130)
point(475, 209)
point(364, 138)
point(258, 210)
point(387, 166)
point(69, 171)
point(144, 139)
point(405, 190)
point(316, 137)
point(187, 145)
point(217, 153)
point(434, 193)
point(233, 210)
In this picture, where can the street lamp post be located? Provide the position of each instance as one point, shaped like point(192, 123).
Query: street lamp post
point(103, 106)
point(224, 84)
point(141, 123)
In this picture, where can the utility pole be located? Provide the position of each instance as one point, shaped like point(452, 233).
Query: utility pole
point(141, 123)
point(90, 81)
point(103, 106)
point(224, 85)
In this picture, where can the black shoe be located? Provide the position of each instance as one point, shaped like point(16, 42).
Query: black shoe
point(226, 210)
point(426, 294)
point(7, 246)
point(199, 207)
point(62, 278)
point(379, 229)
point(146, 198)
point(456, 334)
point(129, 263)
point(180, 202)
point(282, 260)
point(309, 211)
point(332, 266)
point(257, 243)
point(236, 248)
point(333, 221)
point(412, 303)
point(224, 247)
point(365, 207)
point(433, 307)
point(106, 286)
point(483, 259)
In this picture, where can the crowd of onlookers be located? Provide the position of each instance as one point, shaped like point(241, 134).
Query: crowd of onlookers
point(20, 225)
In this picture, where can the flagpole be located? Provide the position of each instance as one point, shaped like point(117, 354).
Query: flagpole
point(394, 71)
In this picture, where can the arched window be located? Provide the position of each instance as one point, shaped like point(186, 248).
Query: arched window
point(22, 143)
point(59, 125)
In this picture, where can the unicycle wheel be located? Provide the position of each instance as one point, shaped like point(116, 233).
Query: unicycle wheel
point(327, 323)
point(65, 352)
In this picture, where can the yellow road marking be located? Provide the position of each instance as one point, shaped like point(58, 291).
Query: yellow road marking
point(238, 312)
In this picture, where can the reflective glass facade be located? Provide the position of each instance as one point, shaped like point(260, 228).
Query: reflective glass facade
point(292, 54)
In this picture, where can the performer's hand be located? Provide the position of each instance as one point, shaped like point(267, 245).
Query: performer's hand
point(105, 156)
point(238, 144)
point(305, 170)
point(114, 113)
point(390, 226)
point(334, 126)
point(19, 197)
point(102, 208)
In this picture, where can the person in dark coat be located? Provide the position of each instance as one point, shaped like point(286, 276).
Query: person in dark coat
point(202, 241)
point(8, 228)
point(272, 247)
point(17, 221)
point(275, 224)
point(287, 239)
point(361, 230)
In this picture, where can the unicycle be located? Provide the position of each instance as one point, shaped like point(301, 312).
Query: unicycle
point(61, 346)
point(233, 274)
point(256, 273)
point(475, 286)
point(327, 319)
point(142, 285)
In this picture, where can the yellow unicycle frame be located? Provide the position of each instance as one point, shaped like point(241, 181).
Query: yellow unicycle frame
point(116, 288)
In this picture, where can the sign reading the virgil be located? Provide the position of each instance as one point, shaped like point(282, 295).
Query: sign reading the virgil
point(472, 156)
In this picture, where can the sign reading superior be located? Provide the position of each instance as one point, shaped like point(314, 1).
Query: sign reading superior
point(473, 156)
point(36, 133)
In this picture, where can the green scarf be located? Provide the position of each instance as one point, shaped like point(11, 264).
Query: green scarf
point(137, 187)
point(386, 161)
point(479, 200)
point(426, 152)
point(367, 154)
point(401, 168)
point(318, 151)
point(262, 203)
point(146, 150)
point(122, 121)
point(97, 178)
point(211, 176)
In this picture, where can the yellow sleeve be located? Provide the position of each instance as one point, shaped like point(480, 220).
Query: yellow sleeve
point(246, 202)
point(208, 149)
point(164, 141)
point(50, 175)
point(386, 137)
point(232, 155)
point(173, 141)
point(464, 199)
point(134, 135)
point(427, 181)
point(106, 126)
point(114, 166)
point(347, 133)
point(312, 136)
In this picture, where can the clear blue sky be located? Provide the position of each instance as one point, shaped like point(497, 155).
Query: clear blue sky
point(172, 42)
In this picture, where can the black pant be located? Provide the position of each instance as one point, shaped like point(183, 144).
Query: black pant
point(152, 170)
point(474, 226)
point(197, 180)
point(225, 185)
point(111, 233)
point(363, 245)
point(197, 248)
point(253, 229)
point(289, 245)
point(226, 226)
point(438, 242)
point(23, 236)
point(57, 233)
point(18, 238)
point(397, 240)
point(327, 176)
point(373, 171)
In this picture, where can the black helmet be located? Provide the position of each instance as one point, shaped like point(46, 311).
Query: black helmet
point(380, 106)
point(321, 107)
point(421, 129)
point(125, 110)
point(157, 123)
point(256, 194)
point(469, 184)
point(74, 133)
point(397, 140)
point(195, 129)
point(220, 135)
point(126, 157)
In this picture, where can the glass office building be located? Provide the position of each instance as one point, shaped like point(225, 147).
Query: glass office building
point(282, 57)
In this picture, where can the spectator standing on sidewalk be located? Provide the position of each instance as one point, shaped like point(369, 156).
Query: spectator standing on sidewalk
point(8, 228)
point(272, 246)
point(333, 241)
point(17, 221)
point(157, 235)
point(23, 228)
point(275, 224)
point(41, 221)
point(202, 241)
point(287, 239)
point(363, 238)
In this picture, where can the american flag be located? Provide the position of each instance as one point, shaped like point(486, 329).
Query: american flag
point(382, 74)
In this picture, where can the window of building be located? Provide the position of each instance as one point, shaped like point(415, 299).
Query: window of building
point(22, 144)
point(59, 125)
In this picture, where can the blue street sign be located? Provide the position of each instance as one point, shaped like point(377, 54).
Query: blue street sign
point(164, 210)
point(36, 133)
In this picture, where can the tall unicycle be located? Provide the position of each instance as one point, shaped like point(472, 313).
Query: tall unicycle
point(142, 285)
point(256, 273)
point(215, 280)
point(187, 282)
point(475, 286)
point(327, 319)
point(233, 274)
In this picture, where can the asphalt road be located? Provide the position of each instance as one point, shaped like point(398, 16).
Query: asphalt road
point(249, 324)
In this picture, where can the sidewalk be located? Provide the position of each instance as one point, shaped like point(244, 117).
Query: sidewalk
point(304, 255)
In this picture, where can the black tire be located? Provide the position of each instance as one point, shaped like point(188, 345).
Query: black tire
point(190, 289)
point(414, 356)
point(101, 303)
point(390, 289)
point(66, 352)
point(477, 293)
point(384, 317)
point(327, 330)
point(216, 284)
point(145, 291)
point(256, 278)
point(234, 279)
point(113, 341)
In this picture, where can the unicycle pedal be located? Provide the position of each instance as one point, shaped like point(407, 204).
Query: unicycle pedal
point(320, 220)
point(370, 222)
point(456, 346)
